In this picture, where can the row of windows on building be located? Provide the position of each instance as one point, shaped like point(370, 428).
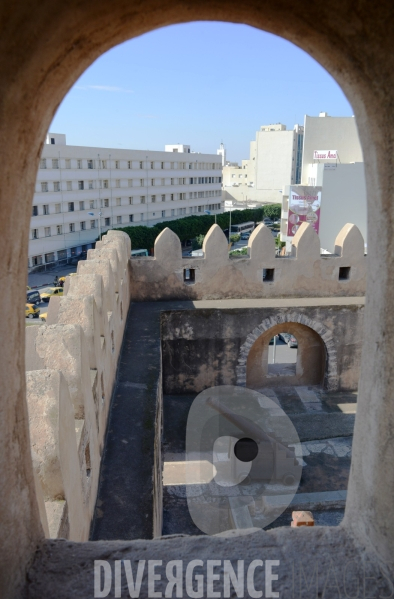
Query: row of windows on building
point(61, 255)
point(106, 203)
point(106, 183)
point(117, 220)
point(79, 163)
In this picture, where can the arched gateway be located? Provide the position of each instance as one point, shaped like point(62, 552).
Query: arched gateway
point(316, 360)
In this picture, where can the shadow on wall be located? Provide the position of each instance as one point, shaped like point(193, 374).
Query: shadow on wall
point(309, 366)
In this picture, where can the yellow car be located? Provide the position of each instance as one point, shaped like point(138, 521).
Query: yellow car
point(44, 316)
point(49, 292)
point(31, 311)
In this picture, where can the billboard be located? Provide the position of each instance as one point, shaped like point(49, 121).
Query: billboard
point(304, 206)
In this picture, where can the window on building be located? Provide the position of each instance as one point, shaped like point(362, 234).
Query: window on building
point(56, 186)
point(71, 206)
point(152, 182)
point(91, 203)
point(45, 209)
point(142, 199)
point(172, 211)
point(90, 185)
point(172, 165)
point(153, 199)
point(68, 163)
point(72, 227)
point(47, 231)
point(107, 222)
point(58, 208)
point(163, 197)
point(172, 197)
point(79, 163)
point(131, 218)
point(43, 163)
point(152, 165)
point(129, 164)
point(82, 205)
point(34, 211)
point(105, 183)
point(118, 201)
point(130, 201)
point(34, 233)
point(162, 165)
point(119, 220)
point(106, 203)
point(130, 182)
point(55, 163)
point(163, 213)
point(36, 260)
point(141, 165)
point(142, 182)
point(80, 185)
point(69, 186)
point(44, 186)
point(172, 181)
point(59, 229)
point(117, 183)
point(83, 225)
point(142, 217)
point(117, 164)
point(92, 224)
point(103, 164)
point(90, 164)
point(50, 257)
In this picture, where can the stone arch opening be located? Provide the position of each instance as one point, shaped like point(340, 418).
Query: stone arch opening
point(310, 364)
point(45, 48)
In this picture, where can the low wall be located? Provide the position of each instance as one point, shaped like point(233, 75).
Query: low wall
point(168, 276)
point(71, 364)
point(206, 347)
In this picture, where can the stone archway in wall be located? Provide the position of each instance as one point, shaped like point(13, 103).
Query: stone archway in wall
point(316, 358)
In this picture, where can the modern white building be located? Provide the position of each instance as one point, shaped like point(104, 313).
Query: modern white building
point(332, 182)
point(275, 160)
point(80, 190)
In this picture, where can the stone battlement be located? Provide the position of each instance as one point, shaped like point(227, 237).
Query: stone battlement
point(71, 364)
point(260, 274)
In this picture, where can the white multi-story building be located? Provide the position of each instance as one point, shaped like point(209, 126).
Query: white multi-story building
point(81, 190)
point(275, 160)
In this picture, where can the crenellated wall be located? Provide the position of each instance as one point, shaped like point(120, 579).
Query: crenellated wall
point(71, 366)
point(261, 274)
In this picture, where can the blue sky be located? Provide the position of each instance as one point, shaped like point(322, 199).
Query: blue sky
point(198, 84)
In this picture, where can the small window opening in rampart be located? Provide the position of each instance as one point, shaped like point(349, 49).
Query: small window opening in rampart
point(344, 273)
point(87, 460)
point(268, 275)
point(189, 275)
point(282, 355)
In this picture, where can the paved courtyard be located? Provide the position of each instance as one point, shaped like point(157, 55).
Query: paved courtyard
point(324, 422)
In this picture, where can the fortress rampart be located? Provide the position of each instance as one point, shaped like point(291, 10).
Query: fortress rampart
point(261, 274)
point(71, 364)
point(71, 361)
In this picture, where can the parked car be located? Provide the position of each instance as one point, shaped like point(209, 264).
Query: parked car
point(31, 311)
point(267, 222)
point(292, 342)
point(285, 337)
point(245, 236)
point(33, 297)
point(49, 292)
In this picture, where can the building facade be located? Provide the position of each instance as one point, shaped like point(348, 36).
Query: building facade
point(333, 172)
point(82, 191)
point(275, 160)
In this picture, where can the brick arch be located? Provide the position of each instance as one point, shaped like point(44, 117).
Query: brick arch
point(331, 368)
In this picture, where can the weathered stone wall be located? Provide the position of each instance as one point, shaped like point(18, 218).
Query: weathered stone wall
point(206, 347)
point(71, 365)
point(217, 276)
